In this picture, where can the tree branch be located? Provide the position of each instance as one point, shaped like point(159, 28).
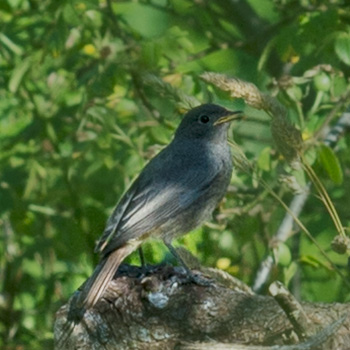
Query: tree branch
point(160, 309)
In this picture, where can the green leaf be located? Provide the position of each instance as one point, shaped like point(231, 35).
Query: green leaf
point(32, 182)
point(315, 262)
point(264, 160)
point(6, 41)
point(295, 93)
point(283, 255)
point(18, 74)
point(139, 16)
point(266, 53)
point(342, 47)
point(289, 272)
point(42, 209)
point(331, 164)
point(310, 156)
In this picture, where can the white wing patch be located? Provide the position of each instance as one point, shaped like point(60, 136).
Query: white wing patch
point(151, 207)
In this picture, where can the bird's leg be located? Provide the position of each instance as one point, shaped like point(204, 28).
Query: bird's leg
point(192, 277)
point(178, 257)
point(142, 257)
point(143, 262)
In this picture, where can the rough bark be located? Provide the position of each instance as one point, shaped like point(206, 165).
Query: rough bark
point(161, 309)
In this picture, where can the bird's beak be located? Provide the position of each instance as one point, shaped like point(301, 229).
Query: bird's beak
point(228, 118)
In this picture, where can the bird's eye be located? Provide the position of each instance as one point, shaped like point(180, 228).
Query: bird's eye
point(204, 119)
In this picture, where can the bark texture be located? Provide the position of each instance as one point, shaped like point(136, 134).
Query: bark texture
point(161, 309)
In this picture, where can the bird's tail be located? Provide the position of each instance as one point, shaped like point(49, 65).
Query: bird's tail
point(103, 274)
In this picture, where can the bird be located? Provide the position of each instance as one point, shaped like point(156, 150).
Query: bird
point(174, 193)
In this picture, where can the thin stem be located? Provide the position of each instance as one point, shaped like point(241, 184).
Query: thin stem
point(306, 231)
point(324, 196)
point(317, 102)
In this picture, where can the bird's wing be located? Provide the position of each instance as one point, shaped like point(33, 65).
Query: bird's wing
point(115, 219)
point(146, 206)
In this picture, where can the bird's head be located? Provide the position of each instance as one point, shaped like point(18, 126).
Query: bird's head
point(208, 121)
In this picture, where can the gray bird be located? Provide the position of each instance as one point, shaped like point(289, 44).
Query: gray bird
point(175, 192)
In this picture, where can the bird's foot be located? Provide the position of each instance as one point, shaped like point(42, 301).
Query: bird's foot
point(200, 280)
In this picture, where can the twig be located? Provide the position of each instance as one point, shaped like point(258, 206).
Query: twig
point(302, 325)
point(282, 234)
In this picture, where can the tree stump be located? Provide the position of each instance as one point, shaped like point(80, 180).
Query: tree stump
point(159, 308)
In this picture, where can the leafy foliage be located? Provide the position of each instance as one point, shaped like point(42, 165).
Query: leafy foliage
point(91, 89)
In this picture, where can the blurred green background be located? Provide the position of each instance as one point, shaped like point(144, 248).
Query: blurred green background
point(92, 89)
